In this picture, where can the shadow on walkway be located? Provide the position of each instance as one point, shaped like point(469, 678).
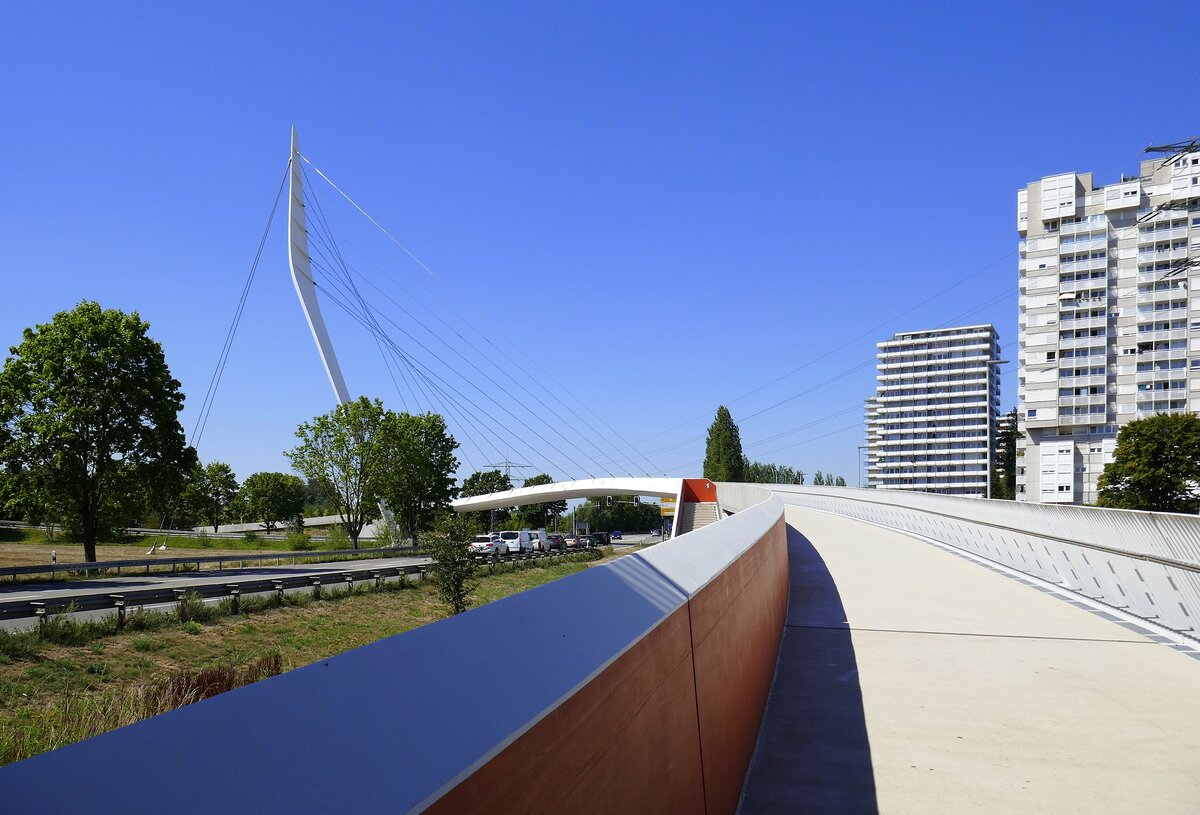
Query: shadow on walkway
point(813, 754)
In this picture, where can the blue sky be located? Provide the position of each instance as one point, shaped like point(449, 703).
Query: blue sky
point(654, 208)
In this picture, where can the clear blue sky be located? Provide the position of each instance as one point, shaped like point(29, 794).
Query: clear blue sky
point(669, 206)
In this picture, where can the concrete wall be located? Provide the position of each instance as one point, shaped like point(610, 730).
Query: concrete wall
point(637, 686)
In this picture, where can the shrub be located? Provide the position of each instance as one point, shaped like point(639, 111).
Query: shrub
point(338, 539)
point(191, 627)
point(453, 567)
point(192, 608)
point(249, 537)
point(299, 542)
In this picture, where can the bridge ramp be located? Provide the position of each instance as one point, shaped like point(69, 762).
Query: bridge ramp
point(913, 680)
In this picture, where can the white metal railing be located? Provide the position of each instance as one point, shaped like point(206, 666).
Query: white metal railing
point(1147, 563)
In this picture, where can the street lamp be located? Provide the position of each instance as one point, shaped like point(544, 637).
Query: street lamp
point(990, 423)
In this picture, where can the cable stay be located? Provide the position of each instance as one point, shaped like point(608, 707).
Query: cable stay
point(334, 261)
point(214, 381)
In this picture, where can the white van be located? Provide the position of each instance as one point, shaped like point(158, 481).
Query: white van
point(517, 542)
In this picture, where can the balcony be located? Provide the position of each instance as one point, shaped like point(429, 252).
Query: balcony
point(1083, 244)
point(1086, 322)
point(1099, 225)
point(1161, 335)
point(1162, 295)
point(1082, 381)
point(1149, 238)
point(1084, 284)
point(1083, 342)
point(1161, 255)
point(1083, 265)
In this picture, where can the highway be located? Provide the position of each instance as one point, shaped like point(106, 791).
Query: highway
point(256, 580)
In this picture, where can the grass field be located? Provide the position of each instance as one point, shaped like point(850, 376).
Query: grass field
point(59, 694)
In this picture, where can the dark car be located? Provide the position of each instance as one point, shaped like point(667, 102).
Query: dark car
point(600, 539)
point(616, 535)
point(555, 542)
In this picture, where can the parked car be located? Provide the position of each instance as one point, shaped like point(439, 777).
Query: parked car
point(488, 545)
point(600, 539)
point(583, 541)
point(555, 542)
point(616, 535)
point(517, 542)
point(571, 542)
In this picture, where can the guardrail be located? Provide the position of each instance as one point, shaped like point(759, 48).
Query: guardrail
point(316, 555)
point(633, 686)
point(1145, 563)
point(119, 598)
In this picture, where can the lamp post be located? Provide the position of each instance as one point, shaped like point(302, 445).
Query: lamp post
point(991, 363)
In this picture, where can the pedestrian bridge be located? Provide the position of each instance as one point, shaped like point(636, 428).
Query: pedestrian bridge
point(817, 649)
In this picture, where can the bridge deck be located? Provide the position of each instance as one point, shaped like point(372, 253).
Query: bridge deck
point(912, 680)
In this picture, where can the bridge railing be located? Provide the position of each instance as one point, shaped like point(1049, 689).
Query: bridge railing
point(633, 686)
point(1147, 563)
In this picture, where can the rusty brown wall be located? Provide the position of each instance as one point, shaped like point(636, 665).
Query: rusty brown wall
point(737, 621)
point(625, 742)
point(669, 726)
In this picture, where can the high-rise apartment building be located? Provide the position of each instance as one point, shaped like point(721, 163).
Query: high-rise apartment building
point(931, 425)
point(1108, 331)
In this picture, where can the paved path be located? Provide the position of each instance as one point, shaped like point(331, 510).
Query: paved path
point(911, 680)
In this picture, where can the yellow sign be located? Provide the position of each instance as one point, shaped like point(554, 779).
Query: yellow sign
point(666, 511)
point(670, 500)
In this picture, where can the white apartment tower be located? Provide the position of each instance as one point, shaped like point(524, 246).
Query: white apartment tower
point(931, 425)
point(1108, 331)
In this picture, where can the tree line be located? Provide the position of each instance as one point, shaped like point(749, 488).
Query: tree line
point(90, 440)
point(724, 459)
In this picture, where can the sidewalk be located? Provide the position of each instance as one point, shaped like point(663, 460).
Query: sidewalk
point(911, 680)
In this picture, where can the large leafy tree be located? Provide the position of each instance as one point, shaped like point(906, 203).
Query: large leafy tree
point(349, 451)
point(211, 491)
point(1156, 465)
point(537, 516)
point(723, 457)
point(273, 497)
point(90, 411)
point(482, 483)
point(420, 472)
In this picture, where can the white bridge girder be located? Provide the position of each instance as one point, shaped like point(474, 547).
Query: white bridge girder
point(563, 490)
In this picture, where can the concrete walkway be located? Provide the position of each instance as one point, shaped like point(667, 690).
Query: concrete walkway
point(912, 680)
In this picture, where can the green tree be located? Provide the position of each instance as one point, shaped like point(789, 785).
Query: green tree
point(273, 498)
point(537, 516)
point(453, 567)
point(420, 470)
point(483, 483)
point(1004, 478)
point(1156, 465)
point(210, 492)
point(91, 416)
point(819, 479)
point(349, 452)
point(839, 482)
point(723, 457)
